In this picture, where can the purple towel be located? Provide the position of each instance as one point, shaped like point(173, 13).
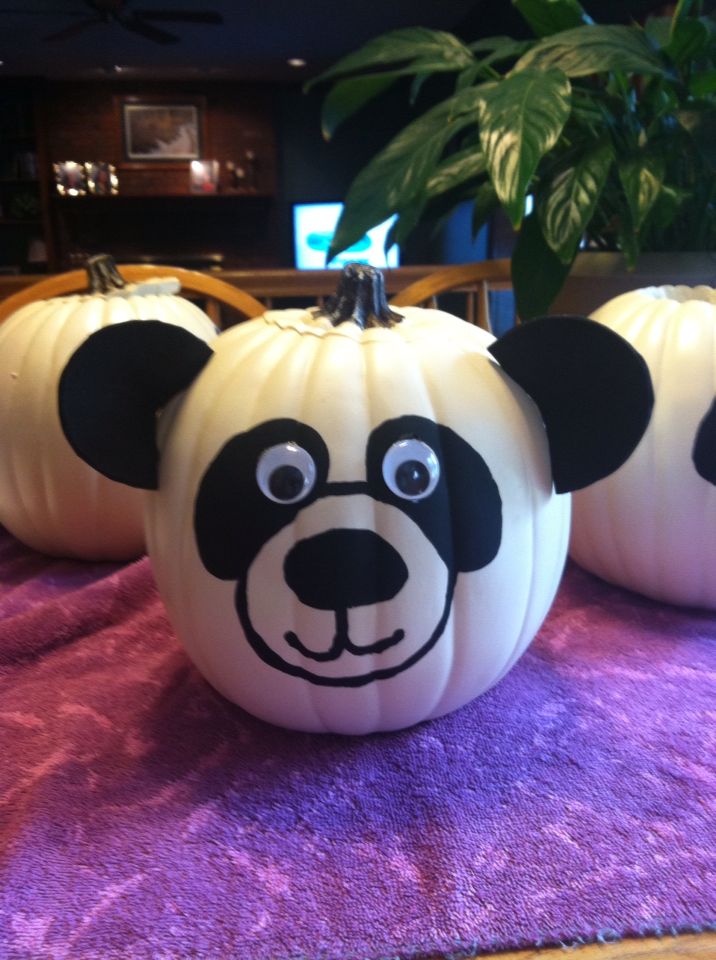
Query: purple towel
point(143, 816)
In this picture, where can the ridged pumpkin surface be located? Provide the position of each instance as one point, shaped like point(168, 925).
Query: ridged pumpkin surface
point(344, 382)
point(49, 498)
point(651, 525)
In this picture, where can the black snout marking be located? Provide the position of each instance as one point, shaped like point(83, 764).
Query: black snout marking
point(340, 569)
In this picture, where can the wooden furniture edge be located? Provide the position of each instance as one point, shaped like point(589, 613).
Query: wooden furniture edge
point(263, 283)
point(212, 287)
point(456, 277)
point(687, 946)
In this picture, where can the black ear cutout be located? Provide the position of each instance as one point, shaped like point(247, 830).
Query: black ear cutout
point(593, 390)
point(113, 386)
point(704, 452)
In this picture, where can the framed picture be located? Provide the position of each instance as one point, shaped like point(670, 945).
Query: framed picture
point(101, 178)
point(161, 131)
point(70, 178)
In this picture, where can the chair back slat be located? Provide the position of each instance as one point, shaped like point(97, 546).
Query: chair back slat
point(213, 292)
point(475, 280)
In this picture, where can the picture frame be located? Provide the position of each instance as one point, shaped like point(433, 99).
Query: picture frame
point(70, 178)
point(101, 178)
point(162, 131)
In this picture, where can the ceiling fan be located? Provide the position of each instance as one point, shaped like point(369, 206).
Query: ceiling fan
point(135, 20)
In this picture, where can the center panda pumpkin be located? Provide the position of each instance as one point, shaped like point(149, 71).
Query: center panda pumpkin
point(354, 523)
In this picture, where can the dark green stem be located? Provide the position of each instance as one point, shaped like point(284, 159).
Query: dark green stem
point(102, 274)
point(360, 299)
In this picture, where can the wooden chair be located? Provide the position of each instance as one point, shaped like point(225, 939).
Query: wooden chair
point(475, 280)
point(212, 292)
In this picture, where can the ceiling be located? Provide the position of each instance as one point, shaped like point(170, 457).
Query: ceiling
point(254, 41)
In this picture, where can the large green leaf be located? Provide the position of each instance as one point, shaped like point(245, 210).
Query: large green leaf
point(406, 222)
point(663, 214)
point(348, 96)
point(484, 205)
point(689, 40)
point(642, 177)
point(658, 30)
point(595, 49)
point(521, 118)
point(700, 123)
point(571, 198)
point(509, 50)
point(434, 49)
point(493, 43)
point(546, 17)
point(537, 273)
point(681, 12)
point(465, 165)
point(397, 176)
point(703, 84)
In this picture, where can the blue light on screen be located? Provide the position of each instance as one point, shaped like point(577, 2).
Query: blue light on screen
point(313, 227)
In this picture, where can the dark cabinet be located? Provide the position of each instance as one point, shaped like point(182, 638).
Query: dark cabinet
point(24, 225)
point(156, 216)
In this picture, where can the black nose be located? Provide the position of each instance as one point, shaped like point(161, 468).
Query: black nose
point(340, 569)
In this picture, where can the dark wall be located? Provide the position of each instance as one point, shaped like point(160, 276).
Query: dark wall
point(311, 169)
point(156, 215)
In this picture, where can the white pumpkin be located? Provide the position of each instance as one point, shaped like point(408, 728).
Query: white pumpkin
point(651, 525)
point(49, 498)
point(354, 529)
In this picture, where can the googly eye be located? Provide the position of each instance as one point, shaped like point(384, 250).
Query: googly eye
point(411, 469)
point(286, 473)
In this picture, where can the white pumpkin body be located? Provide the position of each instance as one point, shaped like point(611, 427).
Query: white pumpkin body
point(651, 525)
point(343, 382)
point(49, 498)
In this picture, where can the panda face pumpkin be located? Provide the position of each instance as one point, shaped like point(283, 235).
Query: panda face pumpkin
point(341, 542)
point(354, 588)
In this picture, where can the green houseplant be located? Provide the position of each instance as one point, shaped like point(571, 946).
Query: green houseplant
point(610, 129)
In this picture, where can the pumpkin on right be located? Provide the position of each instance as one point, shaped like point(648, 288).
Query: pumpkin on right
point(651, 525)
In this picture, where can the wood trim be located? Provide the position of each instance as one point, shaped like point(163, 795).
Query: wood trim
point(261, 283)
point(453, 278)
point(75, 281)
point(700, 946)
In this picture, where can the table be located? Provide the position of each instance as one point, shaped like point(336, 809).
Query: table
point(143, 816)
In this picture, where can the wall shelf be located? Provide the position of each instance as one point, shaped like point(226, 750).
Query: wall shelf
point(155, 212)
point(160, 197)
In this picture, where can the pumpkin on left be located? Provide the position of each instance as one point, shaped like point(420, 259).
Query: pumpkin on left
point(50, 499)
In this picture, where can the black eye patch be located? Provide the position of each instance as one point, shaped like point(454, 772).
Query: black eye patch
point(704, 452)
point(233, 518)
point(462, 516)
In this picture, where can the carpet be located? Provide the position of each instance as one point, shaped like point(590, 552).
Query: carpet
point(143, 816)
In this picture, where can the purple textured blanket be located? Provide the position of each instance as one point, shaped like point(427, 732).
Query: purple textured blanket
point(142, 816)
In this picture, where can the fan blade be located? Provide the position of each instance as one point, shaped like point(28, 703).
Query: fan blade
point(41, 13)
point(136, 25)
point(72, 31)
point(182, 16)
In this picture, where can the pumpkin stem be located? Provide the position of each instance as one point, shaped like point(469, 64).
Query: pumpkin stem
point(102, 274)
point(360, 298)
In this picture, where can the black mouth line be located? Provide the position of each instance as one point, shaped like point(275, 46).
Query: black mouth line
point(273, 659)
point(342, 642)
